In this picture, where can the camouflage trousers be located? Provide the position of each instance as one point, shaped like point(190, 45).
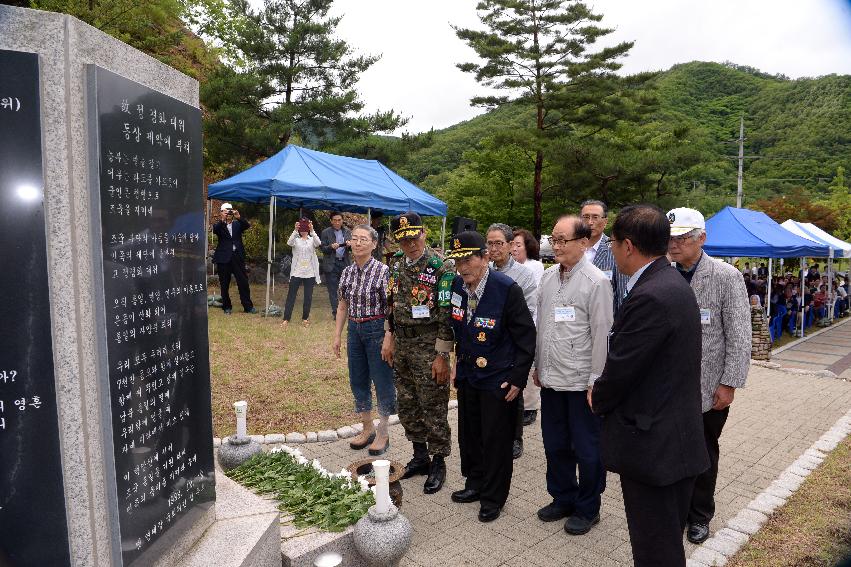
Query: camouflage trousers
point(422, 401)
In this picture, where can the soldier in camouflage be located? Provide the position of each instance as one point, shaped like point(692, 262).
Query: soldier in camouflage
point(417, 343)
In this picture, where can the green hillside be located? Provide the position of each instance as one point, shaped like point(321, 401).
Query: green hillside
point(800, 129)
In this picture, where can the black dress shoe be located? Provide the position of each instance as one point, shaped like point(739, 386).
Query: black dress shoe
point(417, 466)
point(697, 533)
point(552, 512)
point(376, 452)
point(579, 525)
point(517, 450)
point(359, 446)
point(466, 496)
point(436, 475)
point(529, 416)
point(489, 514)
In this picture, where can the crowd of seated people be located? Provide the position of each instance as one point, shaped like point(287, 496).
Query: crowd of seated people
point(791, 304)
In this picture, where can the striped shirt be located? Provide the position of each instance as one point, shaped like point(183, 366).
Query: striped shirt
point(365, 289)
point(605, 261)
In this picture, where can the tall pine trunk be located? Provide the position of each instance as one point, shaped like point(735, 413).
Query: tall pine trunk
point(538, 194)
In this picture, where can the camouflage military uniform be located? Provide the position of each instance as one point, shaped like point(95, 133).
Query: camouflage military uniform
point(414, 289)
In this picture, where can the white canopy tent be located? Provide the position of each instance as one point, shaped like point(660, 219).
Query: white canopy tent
point(837, 249)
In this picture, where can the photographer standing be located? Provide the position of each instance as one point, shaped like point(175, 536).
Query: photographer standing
point(229, 257)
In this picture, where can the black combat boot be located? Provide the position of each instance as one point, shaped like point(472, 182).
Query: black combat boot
point(436, 475)
point(420, 463)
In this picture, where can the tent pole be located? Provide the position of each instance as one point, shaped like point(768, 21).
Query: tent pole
point(830, 286)
point(803, 294)
point(269, 253)
point(209, 229)
point(768, 292)
point(443, 236)
point(274, 241)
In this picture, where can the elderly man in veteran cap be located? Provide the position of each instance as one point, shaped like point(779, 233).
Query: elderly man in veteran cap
point(725, 320)
point(417, 343)
point(494, 350)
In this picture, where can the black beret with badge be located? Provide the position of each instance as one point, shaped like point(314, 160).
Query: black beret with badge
point(408, 225)
point(465, 244)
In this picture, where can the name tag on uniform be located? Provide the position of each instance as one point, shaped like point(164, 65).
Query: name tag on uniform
point(565, 314)
point(419, 311)
point(608, 274)
point(704, 316)
point(456, 299)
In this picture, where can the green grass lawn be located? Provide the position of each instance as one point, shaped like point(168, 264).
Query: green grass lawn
point(290, 377)
point(813, 528)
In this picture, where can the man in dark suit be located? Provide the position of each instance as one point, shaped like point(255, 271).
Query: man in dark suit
point(649, 392)
point(229, 257)
point(336, 243)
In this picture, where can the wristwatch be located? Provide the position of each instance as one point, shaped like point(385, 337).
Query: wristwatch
point(445, 355)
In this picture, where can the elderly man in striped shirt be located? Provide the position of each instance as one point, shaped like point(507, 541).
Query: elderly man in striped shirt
point(362, 298)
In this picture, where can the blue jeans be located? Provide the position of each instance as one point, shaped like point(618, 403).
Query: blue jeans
point(365, 367)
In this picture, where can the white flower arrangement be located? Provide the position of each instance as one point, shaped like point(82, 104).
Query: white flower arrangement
point(296, 454)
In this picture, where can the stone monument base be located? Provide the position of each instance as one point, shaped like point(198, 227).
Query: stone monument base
point(246, 532)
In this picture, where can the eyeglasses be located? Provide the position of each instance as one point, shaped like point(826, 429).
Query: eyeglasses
point(496, 243)
point(563, 241)
point(360, 239)
point(592, 217)
point(680, 240)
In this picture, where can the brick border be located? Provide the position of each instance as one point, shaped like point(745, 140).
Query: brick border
point(343, 432)
point(718, 549)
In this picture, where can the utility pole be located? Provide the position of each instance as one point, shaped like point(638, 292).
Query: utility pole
point(741, 160)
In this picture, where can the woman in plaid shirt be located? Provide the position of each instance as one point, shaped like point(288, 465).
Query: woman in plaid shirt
point(362, 297)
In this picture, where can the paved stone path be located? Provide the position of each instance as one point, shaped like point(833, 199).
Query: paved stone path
point(827, 350)
point(775, 419)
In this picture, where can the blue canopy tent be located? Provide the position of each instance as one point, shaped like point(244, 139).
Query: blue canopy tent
point(742, 232)
point(297, 177)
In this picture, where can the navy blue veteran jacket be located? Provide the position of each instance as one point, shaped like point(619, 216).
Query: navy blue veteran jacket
point(498, 343)
point(649, 392)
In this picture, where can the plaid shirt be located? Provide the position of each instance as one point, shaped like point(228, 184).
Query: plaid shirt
point(473, 296)
point(365, 289)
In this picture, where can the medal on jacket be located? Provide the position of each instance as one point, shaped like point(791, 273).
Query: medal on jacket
point(482, 337)
point(481, 362)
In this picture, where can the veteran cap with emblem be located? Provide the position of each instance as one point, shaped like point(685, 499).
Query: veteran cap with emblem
point(685, 220)
point(407, 225)
point(464, 244)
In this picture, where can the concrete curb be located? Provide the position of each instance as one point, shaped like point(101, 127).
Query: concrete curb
point(722, 546)
point(798, 371)
point(805, 338)
point(296, 438)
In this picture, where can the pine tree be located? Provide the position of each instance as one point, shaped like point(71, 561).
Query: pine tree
point(537, 52)
point(298, 78)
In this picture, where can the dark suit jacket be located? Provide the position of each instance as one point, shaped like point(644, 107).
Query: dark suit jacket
point(649, 392)
point(225, 247)
point(329, 253)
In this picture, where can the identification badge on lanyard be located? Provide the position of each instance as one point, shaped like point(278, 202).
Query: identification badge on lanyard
point(565, 314)
point(419, 311)
point(704, 316)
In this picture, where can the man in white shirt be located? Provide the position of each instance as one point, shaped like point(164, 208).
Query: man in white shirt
point(574, 318)
point(499, 240)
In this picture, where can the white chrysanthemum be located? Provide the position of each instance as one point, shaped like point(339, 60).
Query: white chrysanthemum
point(345, 474)
point(301, 460)
point(364, 485)
point(276, 450)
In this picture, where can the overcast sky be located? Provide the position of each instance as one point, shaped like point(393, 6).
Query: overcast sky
point(417, 74)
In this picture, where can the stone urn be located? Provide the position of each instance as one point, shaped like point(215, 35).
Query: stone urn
point(384, 535)
point(363, 468)
point(238, 448)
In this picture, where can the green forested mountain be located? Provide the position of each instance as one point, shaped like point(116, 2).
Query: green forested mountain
point(680, 153)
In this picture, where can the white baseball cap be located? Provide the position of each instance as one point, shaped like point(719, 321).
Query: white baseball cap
point(685, 220)
point(226, 207)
